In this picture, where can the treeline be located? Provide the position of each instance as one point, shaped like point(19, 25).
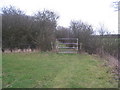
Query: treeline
point(22, 31)
point(40, 31)
point(102, 44)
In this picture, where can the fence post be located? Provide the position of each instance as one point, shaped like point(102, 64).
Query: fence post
point(80, 46)
point(56, 44)
point(77, 44)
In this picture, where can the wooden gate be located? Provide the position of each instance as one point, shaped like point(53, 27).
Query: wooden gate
point(67, 45)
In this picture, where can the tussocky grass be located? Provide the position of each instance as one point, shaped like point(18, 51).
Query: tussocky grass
point(51, 70)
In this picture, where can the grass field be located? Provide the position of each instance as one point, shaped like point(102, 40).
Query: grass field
point(50, 70)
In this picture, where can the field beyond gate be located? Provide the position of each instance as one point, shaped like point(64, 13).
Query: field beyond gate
point(50, 70)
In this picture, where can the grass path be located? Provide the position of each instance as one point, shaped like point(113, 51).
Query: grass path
point(49, 70)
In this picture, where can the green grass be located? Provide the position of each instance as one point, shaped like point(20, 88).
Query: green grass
point(50, 70)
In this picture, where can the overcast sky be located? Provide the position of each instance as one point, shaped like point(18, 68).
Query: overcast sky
point(94, 12)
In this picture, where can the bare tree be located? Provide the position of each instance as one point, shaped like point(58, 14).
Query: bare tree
point(20, 30)
point(82, 31)
point(102, 31)
point(116, 5)
point(46, 22)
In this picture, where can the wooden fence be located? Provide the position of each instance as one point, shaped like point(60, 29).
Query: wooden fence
point(67, 45)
